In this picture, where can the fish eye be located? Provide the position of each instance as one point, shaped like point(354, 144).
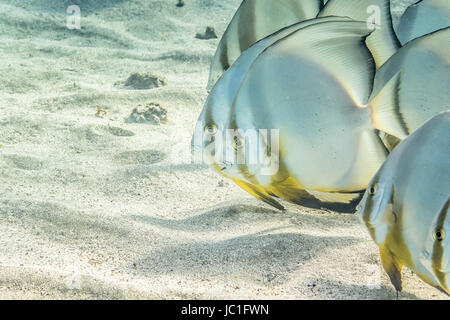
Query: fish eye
point(211, 129)
point(238, 143)
point(439, 235)
point(373, 190)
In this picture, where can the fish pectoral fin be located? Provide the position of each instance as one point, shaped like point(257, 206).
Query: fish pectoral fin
point(388, 140)
point(259, 193)
point(392, 267)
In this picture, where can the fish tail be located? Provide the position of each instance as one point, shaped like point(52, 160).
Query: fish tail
point(386, 114)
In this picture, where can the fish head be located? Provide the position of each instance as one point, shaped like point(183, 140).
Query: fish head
point(375, 209)
point(436, 252)
point(208, 137)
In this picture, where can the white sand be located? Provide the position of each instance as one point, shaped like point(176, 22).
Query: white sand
point(97, 208)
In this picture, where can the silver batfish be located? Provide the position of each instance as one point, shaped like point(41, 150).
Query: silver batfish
point(217, 108)
point(406, 206)
point(312, 87)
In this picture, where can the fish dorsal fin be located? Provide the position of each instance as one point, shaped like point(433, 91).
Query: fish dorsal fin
point(338, 47)
point(437, 42)
point(232, 79)
point(386, 110)
point(386, 99)
point(423, 17)
point(383, 42)
point(253, 21)
point(304, 9)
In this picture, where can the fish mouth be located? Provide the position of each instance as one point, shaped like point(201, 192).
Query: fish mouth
point(196, 148)
point(225, 165)
point(359, 210)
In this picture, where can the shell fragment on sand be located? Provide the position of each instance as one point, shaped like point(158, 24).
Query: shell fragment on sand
point(152, 113)
point(210, 33)
point(138, 81)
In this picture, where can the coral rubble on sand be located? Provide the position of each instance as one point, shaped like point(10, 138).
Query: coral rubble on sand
point(152, 112)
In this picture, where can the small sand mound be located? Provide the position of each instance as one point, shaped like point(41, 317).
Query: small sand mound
point(143, 157)
point(210, 33)
point(152, 112)
point(25, 162)
point(146, 81)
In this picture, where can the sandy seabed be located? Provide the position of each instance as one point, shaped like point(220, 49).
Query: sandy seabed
point(95, 207)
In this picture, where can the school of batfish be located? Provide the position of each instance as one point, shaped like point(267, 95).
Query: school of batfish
point(327, 104)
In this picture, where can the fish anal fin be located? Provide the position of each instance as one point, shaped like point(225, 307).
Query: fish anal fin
point(287, 189)
point(335, 196)
point(291, 190)
point(259, 193)
point(388, 140)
